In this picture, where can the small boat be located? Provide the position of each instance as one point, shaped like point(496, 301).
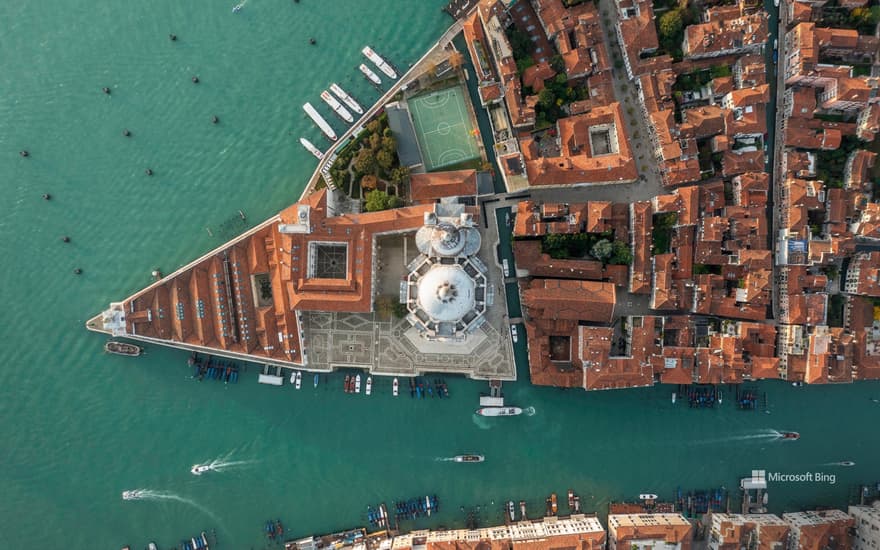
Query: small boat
point(199, 469)
point(299, 379)
point(345, 384)
point(317, 378)
point(570, 499)
point(846, 463)
point(129, 495)
point(553, 507)
point(469, 458)
point(647, 496)
point(122, 348)
point(673, 398)
point(237, 8)
point(383, 515)
point(394, 387)
point(577, 504)
point(511, 511)
point(292, 377)
point(797, 384)
point(522, 510)
point(347, 99)
point(311, 148)
point(720, 395)
point(152, 546)
point(204, 538)
point(379, 61)
point(790, 435)
point(369, 388)
point(499, 411)
point(547, 508)
point(337, 107)
point(371, 76)
point(357, 384)
point(428, 505)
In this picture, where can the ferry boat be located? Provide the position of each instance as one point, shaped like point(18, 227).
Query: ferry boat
point(122, 348)
point(379, 62)
point(499, 411)
point(369, 388)
point(790, 435)
point(337, 107)
point(357, 384)
point(511, 510)
point(299, 379)
point(371, 76)
point(319, 121)
point(469, 458)
point(347, 99)
point(394, 387)
point(311, 148)
point(199, 469)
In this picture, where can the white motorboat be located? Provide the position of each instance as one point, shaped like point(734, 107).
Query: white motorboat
point(347, 99)
point(394, 387)
point(371, 76)
point(499, 411)
point(319, 121)
point(299, 379)
point(199, 469)
point(337, 107)
point(292, 377)
point(379, 62)
point(513, 333)
point(311, 148)
point(673, 397)
point(469, 458)
point(357, 384)
point(369, 388)
point(511, 511)
point(237, 8)
point(647, 496)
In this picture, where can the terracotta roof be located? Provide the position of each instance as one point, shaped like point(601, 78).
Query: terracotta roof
point(437, 185)
point(733, 163)
point(569, 300)
point(726, 35)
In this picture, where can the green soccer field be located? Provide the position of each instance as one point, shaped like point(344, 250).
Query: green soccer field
point(443, 128)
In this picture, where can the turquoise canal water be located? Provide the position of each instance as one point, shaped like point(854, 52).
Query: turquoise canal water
point(78, 427)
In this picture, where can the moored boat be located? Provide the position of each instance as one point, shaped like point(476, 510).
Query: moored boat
point(337, 107)
point(371, 76)
point(394, 387)
point(673, 398)
point(369, 388)
point(292, 377)
point(570, 499)
point(357, 384)
point(346, 98)
point(511, 511)
point(345, 384)
point(469, 458)
point(319, 121)
point(522, 510)
point(553, 506)
point(317, 378)
point(299, 379)
point(122, 348)
point(499, 411)
point(311, 148)
point(379, 61)
point(577, 504)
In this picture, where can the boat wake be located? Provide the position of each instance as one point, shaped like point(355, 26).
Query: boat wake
point(529, 411)
point(444, 459)
point(219, 465)
point(840, 463)
point(150, 494)
point(238, 7)
point(764, 435)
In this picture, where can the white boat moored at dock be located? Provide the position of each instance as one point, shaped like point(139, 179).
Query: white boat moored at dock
point(347, 99)
point(371, 76)
point(311, 148)
point(319, 121)
point(499, 411)
point(337, 107)
point(379, 61)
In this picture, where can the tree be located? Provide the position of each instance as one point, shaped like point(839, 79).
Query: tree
point(456, 60)
point(621, 253)
point(365, 162)
point(602, 250)
point(377, 200)
point(546, 98)
point(399, 175)
point(557, 63)
point(384, 159)
point(389, 144)
point(670, 28)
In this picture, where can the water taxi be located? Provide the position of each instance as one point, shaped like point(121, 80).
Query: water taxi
point(379, 61)
point(511, 511)
point(371, 76)
point(319, 121)
point(499, 411)
point(311, 148)
point(369, 388)
point(790, 435)
point(346, 98)
point(394, 387)
point(199, 469)
point(357, 384)
point(122, 348)
point(337, 107)
point(469, 458)
point(299, 379)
